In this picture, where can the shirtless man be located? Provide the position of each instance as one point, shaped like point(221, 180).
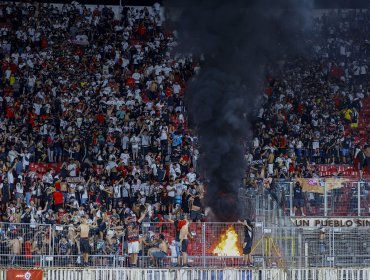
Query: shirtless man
point(184, 234)
point(84, 240)
point(176, 242)
point(15, 245)
point(163, 249)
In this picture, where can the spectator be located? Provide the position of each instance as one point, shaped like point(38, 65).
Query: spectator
point(361, 160)
point(298, 199)
point(248, 241)
point(184, 235)
point(162, 252)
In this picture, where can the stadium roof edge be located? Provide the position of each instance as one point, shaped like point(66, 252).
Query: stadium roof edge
point(318, 4)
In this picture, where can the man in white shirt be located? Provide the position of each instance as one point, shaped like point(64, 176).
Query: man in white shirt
point(125, 157)
point(191, 176)
point(47, 178)
point(134, 140)
point(12, 154)
point(124, 141)
point(145, 142)
point(117, 194)
point(171, 191)
point(72, 168)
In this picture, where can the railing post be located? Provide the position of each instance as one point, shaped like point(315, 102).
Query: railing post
point(325, 200)
point(332, 252)
point(358, 198)
point(204, 243)
point(306, 255)
point(51, 240)
point(291, 198)
point(263, 246)
point(299, 248)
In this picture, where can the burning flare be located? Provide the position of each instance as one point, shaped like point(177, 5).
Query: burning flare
point(228, 245)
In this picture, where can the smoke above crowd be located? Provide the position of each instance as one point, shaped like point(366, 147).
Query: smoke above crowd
point(239, 41)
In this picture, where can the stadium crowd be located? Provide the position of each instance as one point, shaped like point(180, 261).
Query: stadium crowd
point(101, 98)
point(311, 108)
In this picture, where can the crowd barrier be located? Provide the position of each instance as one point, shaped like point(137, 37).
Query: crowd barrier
point(325, 197)
point(189, 274)
point(273, 246)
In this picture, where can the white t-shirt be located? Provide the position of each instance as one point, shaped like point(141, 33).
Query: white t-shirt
point(10, 177)
point(125, 190)
point(171, 193)
point(12, 155)
point(125, 158)
point(117, 191)
point(164, 133)
point(134, 142)
point(72, 168)
point(19, 188)
point(191, 177)
point(179, 189)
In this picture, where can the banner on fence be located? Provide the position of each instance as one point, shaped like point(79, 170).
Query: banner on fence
point(23, 274)
point(331, 222)
point(313, 184)
point(335, 183)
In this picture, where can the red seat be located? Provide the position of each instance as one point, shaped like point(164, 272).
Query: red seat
point(341, 168)
point(346, 173)
point(332, 169)
point(323, 168)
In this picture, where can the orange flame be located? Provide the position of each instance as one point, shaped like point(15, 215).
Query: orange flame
point(228, 245)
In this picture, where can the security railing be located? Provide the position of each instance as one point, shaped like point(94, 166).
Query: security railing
point(200, 274)
point(324, 197)
point(274, 246)
point(27, 239)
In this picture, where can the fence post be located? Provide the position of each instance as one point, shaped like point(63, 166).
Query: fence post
point(291, 198)
point(306, 254)
point(299, 248)
point(358, 198)
point(332, 252)
point(263, 246)
point(325, 200)
point(204, 244)
point(51, 240)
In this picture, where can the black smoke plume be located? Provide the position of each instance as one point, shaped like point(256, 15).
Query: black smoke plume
point(239, 39)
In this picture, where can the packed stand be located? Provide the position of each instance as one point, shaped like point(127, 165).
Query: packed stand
point(312, 107)
point(97, 100)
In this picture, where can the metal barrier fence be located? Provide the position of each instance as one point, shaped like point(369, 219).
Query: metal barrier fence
point(204, 274)
point(25, 239)
point(106, 261)
point(280, 247)
point(326, 197)
point(163, 274)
